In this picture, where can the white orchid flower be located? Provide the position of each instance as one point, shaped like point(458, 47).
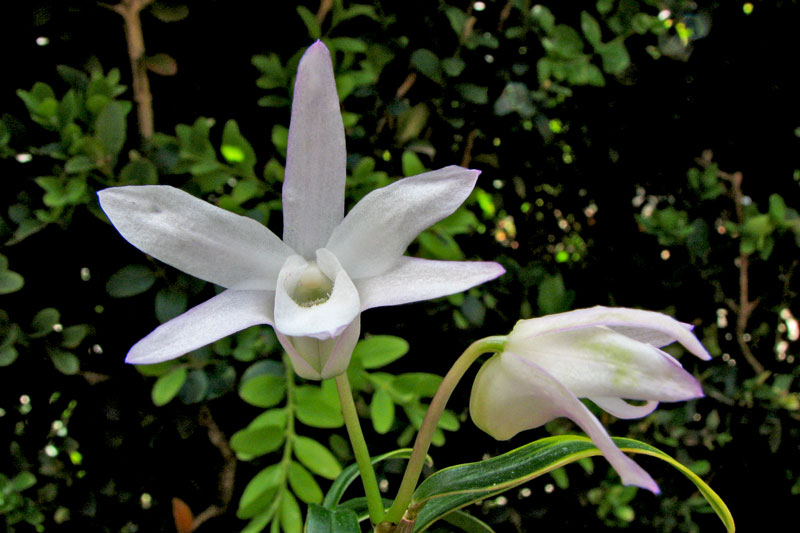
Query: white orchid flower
point(313, 285)
point(604, 354)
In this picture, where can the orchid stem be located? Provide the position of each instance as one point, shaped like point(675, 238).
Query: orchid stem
point(431, 421)
point(371, 490)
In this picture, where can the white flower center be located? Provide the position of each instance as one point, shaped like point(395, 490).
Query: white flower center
point(313, 287)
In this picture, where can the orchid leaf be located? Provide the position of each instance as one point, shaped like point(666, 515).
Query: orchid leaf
point(350, 474)
point(455, 487)
point(322, 520)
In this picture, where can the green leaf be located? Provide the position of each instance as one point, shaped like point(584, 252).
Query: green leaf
point(139, 172)
point(380, 350)
point(615, 56)
point(604, 6)
point(77, 164)
point(156, 369)
point(347, 44)
point(515, 98)
point(411, 164)
point(258, 494)
point(168, 385)
point(351, 473)
point(237, 150)
point(467, 523)
point(314, 31)
point(195, 387)
point(65, 362)
point(473, 93)
point(257, 441)
point(274, 74)
point(453, 66)
point(130, 281)
point(169, 12)
point(273, 100)
point(544, 17)
point(280, 138)
point(427, 63)
point(419, 384)
point(322, 520)
point(61, 192)
point(553, 296)
point(110, 127)
point(8, 354)
point(10, 282)
point(43, 322)
point(461, 485)
point(303, 483)
point(564, 42)
point(169, 304)
point(319, 406)
point(74, 335)
point(162, 64)
point(316, 457)
point(263, 391)
point(381, 411)
point(291, 517)
point(22, 481)
point(591, 29)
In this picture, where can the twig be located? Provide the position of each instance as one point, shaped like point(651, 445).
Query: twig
point(226, 477)
point(744, 308)
point(465, 160)
point(130, 10)
point(324, 8)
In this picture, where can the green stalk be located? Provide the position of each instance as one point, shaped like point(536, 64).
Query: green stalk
point(431, 421)
point(371, 490)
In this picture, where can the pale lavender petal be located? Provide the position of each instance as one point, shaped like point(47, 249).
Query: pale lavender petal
point(323, 320)
point(225, 314)
point(332, 356)
point(195, 236)
point(375, 233)
point(313, 187)
point(636, 323)
point(413, 280)
point(622, 409)
point(598, 361)
point(512, 394)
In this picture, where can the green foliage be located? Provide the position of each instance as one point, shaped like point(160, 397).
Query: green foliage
point(84, 139)
point(460, 485)
point(15, 507)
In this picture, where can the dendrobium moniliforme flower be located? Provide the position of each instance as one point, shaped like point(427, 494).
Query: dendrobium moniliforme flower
point(604, 354)
point(313, 285)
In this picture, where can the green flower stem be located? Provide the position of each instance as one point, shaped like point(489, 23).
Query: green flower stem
point(431, 421)
point(371, 490)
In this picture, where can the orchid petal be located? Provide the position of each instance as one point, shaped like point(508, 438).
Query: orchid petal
point(222, 315)
point(375, 233)
point(512, 394)
point(319, 320)
point(195, 236)
point(598, 361)
point(622, 409)
point(646, 326)
point(313, 187)
point(322, 359)
point(413, 280)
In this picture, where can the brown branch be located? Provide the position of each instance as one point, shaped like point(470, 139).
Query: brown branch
point(228, 474)
point(406, 85)
point(465, 160)
point(129, 10)
point(324, 8)
point(744, 308)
